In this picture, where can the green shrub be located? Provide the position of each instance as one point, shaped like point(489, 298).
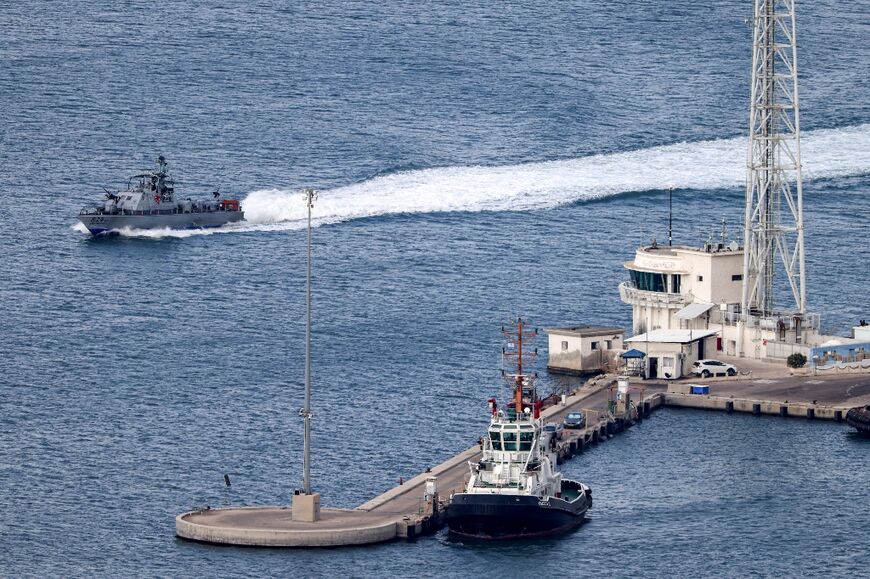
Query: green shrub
point(796, 360)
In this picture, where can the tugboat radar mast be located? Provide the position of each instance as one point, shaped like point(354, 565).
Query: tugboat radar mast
point(516, 334)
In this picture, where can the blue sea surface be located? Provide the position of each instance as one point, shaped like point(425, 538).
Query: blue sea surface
point(475, 161)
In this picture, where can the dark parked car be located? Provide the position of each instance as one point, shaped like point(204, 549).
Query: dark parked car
point(575, 420)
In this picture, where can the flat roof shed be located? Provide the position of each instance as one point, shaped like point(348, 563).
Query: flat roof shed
point(586, 331)
point(663, 336)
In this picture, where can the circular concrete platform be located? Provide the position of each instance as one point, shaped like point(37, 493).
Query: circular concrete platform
point(274, 527)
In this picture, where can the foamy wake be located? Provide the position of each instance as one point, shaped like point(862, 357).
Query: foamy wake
point(719, 163)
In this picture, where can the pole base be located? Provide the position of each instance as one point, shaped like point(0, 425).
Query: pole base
point(306, 508)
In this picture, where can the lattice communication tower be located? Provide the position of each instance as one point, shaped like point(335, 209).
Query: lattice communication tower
point(774, 230)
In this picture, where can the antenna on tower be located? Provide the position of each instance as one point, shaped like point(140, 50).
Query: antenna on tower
point(773, 221)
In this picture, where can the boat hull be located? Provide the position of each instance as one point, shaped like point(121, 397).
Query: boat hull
point(501, 517)
point(101, 224)
point(859, 418)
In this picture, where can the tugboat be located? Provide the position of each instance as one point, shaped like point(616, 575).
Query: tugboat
point(859, 418)
point(149, 202)
point(516, 491)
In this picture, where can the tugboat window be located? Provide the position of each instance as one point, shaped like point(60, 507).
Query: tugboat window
point(526, 441)
point(510, 440)
point(496, 440)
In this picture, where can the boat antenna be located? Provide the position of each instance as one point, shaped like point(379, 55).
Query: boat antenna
point(310, 197)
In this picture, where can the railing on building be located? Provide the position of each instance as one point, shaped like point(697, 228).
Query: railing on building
point(631, 295)
point(774, 323)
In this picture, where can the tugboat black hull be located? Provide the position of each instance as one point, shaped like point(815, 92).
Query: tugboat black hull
point(501, 517)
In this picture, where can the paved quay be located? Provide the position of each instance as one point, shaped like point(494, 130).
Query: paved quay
point(402, 512)
point(399, 512)
point(274, 527)
point(804, 396)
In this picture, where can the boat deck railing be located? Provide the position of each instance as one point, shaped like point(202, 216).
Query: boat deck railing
point(92, 211)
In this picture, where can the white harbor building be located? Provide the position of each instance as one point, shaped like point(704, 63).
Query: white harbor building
point(686, 306)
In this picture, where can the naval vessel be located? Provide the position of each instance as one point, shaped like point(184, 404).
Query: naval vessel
point(150, 202)
point(516, 490)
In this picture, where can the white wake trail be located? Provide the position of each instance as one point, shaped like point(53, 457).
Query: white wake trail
point(700, 165)
point(712, 164)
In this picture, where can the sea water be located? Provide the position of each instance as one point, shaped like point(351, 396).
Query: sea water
point(475, 163)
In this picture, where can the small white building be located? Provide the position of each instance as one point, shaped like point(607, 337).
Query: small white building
point(583, 349)
point(670, 353)
point(862, 332)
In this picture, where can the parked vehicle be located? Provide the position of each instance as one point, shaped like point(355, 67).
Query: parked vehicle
point(707, 368)
point(575, 420)
point(557, 429)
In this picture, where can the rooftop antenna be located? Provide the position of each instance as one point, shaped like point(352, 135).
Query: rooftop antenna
point(670, 216)
point(724, 234)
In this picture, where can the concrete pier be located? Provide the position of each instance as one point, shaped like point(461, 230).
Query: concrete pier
point(406, 511)
point(275, 527)
point(757, 407)
point(401, 512)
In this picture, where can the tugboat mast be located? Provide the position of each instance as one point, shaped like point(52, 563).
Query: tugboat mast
point(516, 333)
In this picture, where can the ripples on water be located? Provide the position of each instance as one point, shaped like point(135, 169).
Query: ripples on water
point(136, 371)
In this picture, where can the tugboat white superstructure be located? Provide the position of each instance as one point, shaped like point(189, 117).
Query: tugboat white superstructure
point(150, 202)
point(515, 490)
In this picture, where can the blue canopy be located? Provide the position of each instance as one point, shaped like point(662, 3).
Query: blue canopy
point(633, 354)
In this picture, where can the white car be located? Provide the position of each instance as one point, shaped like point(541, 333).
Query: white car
point(707, 368)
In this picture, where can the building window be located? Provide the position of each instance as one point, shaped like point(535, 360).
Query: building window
point(649, 281)
point(700, 278)
point(675, 283)
point(564, 345)
point(609, 344)
point(737, 277)
point(594, 345)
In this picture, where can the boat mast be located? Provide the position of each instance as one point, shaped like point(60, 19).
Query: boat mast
point(310, 196)
point(519, 383)
point(515, 334)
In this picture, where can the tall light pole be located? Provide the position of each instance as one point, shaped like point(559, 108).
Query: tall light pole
point(310, 196)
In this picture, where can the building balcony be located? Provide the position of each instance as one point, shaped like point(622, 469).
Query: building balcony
point(636, 297)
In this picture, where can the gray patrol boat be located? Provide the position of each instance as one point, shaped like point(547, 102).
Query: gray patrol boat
point(149, 202)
